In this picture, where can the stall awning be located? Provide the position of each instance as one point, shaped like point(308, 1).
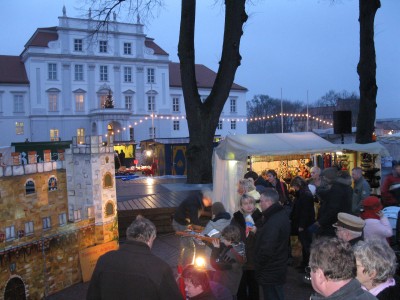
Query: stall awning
point(238, 147)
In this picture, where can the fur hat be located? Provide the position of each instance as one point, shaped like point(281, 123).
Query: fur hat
point(217, 208)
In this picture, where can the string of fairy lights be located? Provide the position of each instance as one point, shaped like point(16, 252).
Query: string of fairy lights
point(253, 119)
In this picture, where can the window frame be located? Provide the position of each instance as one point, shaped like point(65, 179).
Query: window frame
point(78, 74)
point(78, 45)
point(175, 104)
point(103, 46)
point(128, 102)
point(233, 124)
point(18, 103)
point(151, 75)
point(46, 223)
point(10, 233)
point(62, 219)
point(176, 125)
point(151, 103)
point(29, 228)
point(233, 105)
point(54, 134)
point(51, 71)
point(79, 103)
point(103, 69)
point(219, 126)
point(127, 48)
point(52, 101)
point(128, 74)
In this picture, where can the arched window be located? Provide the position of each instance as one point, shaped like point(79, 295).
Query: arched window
point(52, 184)
point(107, 181)
point(109, 209)
point(30, 187)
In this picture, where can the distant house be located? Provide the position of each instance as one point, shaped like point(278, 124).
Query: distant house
point(118, 84)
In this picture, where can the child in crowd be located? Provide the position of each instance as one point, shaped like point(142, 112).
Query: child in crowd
point(227, 258)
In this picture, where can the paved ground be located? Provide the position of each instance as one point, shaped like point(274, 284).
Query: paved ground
point(167, 246)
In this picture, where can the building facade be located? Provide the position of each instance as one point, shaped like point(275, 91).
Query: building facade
point(69, 81)
point(55, 217)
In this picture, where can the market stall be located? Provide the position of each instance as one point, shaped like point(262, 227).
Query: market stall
point(287, 153)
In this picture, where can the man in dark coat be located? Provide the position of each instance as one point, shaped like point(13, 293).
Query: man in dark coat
point(272, 248)
point(336, 195)
point(132, 271)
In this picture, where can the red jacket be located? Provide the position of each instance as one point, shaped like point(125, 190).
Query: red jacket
point(388, 198)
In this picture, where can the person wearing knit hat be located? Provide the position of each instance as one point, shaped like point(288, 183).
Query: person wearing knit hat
point(377, 226)
point(349, 228)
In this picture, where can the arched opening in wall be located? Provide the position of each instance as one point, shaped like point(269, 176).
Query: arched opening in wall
point(15, 289)
point(109, 209)
point(115, 129)
point(107, 159)
point(94, 128)
point(30, 187)
point(107, 181)
point(52, 184)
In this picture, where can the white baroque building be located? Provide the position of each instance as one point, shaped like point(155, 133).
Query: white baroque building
point(58, 87)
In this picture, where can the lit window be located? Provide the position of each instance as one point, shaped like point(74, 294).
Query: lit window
point(28, 227)
point(54, 135)
point(127, 48)
point(233, 105)
point(103, 47)
point(46, 222)
point(52, 184)
point(78, 45)
point(233, 124)
point(78, 72)
point(53, 99)
point(103, 73)
point(175, 104)
point(151, 103)
point(176, 125)
point(19, 128)
point(150, 75)
point(79, 102)
point(62, 219)
point(128, 102)
point(219, 125)
point(80, 134)
point(10, 232)
point(52, 71)
point(18, 103)
point(30, 187)
point(127, 74)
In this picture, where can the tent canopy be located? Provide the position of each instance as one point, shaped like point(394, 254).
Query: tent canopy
point(238, 147)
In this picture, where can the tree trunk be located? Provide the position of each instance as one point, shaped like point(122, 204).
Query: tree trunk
point(203, 118)
point(366, 70)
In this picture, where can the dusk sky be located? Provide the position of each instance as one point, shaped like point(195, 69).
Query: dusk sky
point(293, 46)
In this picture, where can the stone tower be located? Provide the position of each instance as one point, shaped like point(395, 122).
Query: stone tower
point(91, 186)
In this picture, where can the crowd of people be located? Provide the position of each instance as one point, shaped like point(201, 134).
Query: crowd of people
point(344, 238)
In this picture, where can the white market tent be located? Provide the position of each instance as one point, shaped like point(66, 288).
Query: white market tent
point(230, 157)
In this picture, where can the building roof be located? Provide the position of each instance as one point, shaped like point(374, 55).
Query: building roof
point(149, 43)
point(12, 70)
point(204, 76)
point(42, 37)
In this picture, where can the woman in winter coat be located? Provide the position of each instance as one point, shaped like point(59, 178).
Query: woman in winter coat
point(377, 226)
point(247, 219)
point(302, 216)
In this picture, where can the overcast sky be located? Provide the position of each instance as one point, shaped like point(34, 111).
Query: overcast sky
point(288, 46)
